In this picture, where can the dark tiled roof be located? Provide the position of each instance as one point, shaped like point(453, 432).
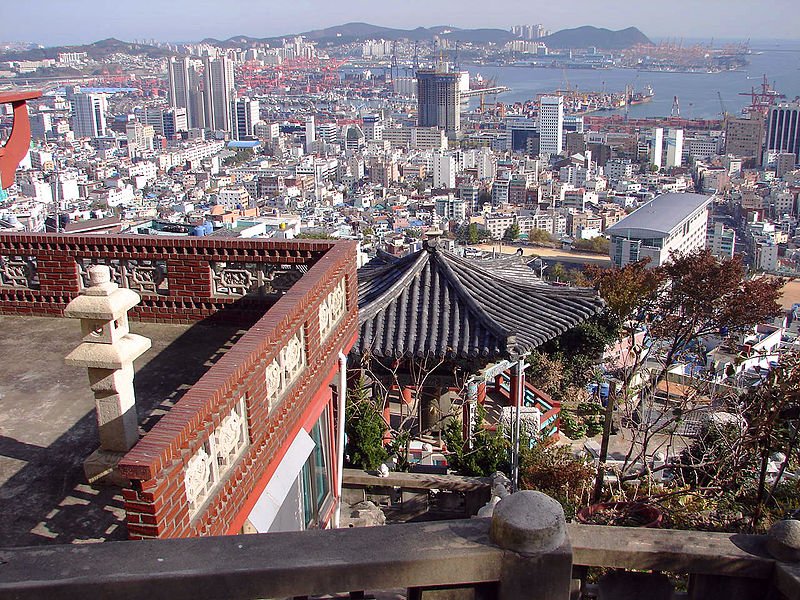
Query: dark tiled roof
point(434, 303)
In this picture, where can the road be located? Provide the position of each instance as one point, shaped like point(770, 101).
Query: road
point(551, 255)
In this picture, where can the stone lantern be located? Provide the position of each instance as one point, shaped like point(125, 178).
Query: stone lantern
point(108, 350)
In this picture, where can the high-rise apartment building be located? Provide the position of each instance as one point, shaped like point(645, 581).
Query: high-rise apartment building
point(89, 115)
point(185, 91)
point(244, 116)
point(310, 135)
point(744, 136)
point(179, 81)
point(783, 129)
point(551, 124)
point(439, 101)
point(674, 147)
point(217, 92)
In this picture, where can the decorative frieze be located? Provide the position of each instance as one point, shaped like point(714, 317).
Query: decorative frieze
point(332, 309)
point(19, 272)
point(143, 276)
point(236, 279)
point(283, 370)
point(210, 465)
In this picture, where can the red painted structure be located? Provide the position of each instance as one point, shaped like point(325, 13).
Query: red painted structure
point(48, 276)
point(19, 141)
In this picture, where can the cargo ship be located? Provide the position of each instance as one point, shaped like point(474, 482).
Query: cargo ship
point(635, 98)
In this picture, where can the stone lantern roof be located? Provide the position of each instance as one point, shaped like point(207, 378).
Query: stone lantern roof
point(103, 311)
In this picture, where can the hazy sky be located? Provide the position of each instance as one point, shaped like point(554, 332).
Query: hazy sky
point(79, 21)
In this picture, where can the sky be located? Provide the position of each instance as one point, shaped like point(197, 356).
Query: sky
point(63, 22)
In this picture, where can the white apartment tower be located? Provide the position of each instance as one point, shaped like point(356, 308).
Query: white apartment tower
point(218, 90)
point(674, 144)
point(444, 171)
point(551, 124)
point(89, 115)
point(311, 135)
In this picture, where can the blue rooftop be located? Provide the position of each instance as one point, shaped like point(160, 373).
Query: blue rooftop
point(244, 144)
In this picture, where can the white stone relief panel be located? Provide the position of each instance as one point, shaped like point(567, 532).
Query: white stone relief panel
point(210, 465)
point(332, 309)
point(273, 376)
point(285, 369)
point(294, 358)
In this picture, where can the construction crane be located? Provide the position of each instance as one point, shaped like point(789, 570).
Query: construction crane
point(676, 108)
point(722, 105)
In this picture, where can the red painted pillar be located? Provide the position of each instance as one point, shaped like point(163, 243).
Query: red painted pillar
point(481, 392)
point(514, 392)
point(407, 394)
point(387, 416)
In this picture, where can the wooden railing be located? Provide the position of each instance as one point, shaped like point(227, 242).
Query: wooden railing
point(516, 554)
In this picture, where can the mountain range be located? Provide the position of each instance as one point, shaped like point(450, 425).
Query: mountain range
point(581, 37)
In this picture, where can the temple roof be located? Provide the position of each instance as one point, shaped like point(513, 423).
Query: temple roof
point(434, 303)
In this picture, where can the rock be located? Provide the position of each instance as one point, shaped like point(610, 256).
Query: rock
point(783, 540)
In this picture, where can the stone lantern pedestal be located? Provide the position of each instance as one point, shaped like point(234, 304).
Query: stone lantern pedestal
point(107, 351)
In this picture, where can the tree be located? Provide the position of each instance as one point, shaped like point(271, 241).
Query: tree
point(512, 233)
point(471, 234)
point(692, 296)
point(486, 453)
point(540, 236)
point(365, 427)
point(558, 272)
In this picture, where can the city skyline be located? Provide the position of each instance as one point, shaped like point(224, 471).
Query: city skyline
point(57, 23)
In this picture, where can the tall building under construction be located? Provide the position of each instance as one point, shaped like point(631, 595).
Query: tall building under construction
point(439, 101)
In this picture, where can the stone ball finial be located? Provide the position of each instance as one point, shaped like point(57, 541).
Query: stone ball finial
point(783, 540)
point(528, 523)
point(99, 274)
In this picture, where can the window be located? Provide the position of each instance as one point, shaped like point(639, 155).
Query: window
point(317, 475)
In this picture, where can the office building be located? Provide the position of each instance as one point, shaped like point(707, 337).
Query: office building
point(439, 101)
point(373, 128)
point(551, 124)
point(522, 135)
point(89, 115)
point(783, 129)
point(669, 222)
point(140, 138)
point(244, 116)
point(174, 121)
point(744, 136)
point(721, 240)
point(218, 91)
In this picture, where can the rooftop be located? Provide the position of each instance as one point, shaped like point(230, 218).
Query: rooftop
point(435, 303)
point(661, 215)
point(48, 427)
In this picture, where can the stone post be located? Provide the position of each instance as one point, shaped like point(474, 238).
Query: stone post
point(531, 527)
point(107, 351)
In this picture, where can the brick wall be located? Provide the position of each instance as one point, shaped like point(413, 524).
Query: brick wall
point(188, 261)
point(157, 504)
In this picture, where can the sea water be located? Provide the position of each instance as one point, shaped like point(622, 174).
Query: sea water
point(698, 93)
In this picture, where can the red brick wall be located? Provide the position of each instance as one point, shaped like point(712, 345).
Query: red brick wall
point(188, 272)
point(157, 504)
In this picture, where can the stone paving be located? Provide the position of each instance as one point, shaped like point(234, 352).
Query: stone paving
point(48, 426)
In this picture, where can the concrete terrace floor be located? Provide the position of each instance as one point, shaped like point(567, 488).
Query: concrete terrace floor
point(48, 427)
